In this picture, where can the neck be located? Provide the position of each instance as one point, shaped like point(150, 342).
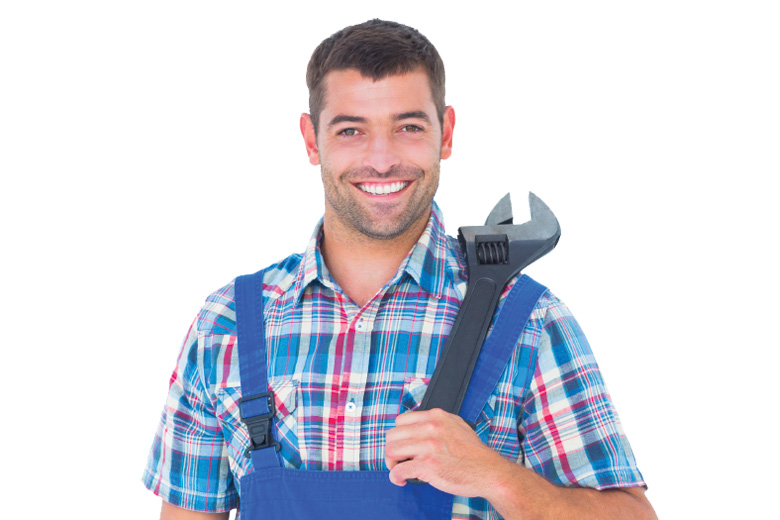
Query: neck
point(362, 265)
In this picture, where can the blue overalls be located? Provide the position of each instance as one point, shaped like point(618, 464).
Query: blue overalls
point(272, 492)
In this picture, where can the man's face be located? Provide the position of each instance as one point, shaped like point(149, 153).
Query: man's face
point(379, 146)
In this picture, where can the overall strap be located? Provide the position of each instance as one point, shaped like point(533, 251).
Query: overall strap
point(257, 406)
point(500, 344)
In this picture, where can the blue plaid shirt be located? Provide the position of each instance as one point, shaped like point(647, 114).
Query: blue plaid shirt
point(340, 375)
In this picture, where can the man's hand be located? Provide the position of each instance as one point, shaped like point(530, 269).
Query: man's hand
point(441, 449)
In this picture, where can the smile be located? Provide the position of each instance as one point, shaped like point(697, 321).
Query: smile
point(382, 188)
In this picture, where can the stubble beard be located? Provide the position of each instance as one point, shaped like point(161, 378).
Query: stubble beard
point(379, 226)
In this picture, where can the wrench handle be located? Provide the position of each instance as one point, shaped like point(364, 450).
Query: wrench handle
point(452, 375)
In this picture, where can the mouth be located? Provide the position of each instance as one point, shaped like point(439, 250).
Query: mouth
point(382, 188)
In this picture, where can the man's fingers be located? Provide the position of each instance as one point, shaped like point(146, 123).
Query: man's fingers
point(401, 450)
point(429, 423)
point(420, 416)
point(404, 471)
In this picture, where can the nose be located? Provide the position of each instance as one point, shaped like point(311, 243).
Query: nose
point(381, 154)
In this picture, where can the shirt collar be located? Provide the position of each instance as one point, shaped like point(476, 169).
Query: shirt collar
point(430, 258)
point(428, 263)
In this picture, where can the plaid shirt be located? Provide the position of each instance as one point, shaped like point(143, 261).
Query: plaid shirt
point(341, 374)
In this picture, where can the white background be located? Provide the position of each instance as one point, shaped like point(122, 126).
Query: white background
point(150, 152)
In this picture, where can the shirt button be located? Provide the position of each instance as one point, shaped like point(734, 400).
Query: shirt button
point(351, 407)
point(361, 325)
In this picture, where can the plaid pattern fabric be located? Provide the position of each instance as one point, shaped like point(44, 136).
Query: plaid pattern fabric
point(341, 374)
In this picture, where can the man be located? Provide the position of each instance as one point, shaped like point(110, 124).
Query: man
point(351, 333)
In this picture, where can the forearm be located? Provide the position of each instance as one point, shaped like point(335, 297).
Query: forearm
point(171, 512)
point(519, 493)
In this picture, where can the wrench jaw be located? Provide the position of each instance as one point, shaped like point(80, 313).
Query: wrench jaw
point(499, 249)
point(501, 213)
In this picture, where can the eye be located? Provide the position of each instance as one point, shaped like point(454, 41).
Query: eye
point(349, 132)
point(411, 128)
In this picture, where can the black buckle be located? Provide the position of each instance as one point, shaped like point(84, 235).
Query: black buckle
point(259, 426)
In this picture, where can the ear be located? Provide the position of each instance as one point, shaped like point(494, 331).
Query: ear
point(310, 139)
point(447, 127)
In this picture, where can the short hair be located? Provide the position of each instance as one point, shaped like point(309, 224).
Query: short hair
point(377, 49)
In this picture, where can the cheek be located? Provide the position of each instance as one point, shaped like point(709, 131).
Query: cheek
point(424, 154)
point(340, 158)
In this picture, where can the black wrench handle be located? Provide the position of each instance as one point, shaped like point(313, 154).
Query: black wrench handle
point(452, 376)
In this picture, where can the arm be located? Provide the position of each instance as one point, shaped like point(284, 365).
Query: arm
point(188, 463)
point(569, 430)
point(171, 512)
point(510, 499)
point(440, 448)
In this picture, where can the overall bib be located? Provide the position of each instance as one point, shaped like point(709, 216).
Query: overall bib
point(272, 492)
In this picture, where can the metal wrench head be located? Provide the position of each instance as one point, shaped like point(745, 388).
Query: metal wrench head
point(542, 226)
point(524, 243)
point(501, 214)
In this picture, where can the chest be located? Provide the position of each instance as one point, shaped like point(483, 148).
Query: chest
point(326, 343)
point(340, 375)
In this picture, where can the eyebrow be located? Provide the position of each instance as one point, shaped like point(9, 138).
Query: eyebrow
point(346, 119)
point(415, 114)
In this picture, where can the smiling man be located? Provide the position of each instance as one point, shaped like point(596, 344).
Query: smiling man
point(380, 169)
point(296, 392)
point(379, 147)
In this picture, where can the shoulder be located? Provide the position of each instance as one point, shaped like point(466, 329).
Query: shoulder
point(551, 325)
point(559, 338)
point(556, 323)
point(218, 313)
point(548, 307)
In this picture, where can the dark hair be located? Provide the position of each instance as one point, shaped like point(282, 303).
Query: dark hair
point(377, 49)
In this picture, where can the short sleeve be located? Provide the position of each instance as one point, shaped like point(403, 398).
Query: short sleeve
point(188, 463)
point(572, 433)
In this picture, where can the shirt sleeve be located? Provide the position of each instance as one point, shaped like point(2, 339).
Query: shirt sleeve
point(572, 433)
point(188, 463)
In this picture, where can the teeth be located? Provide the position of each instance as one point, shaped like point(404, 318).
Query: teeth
point(383, 189)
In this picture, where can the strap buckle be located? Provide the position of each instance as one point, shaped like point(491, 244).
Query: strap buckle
point(258, 422)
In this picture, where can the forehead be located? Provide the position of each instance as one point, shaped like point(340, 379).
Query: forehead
point(348, 92)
